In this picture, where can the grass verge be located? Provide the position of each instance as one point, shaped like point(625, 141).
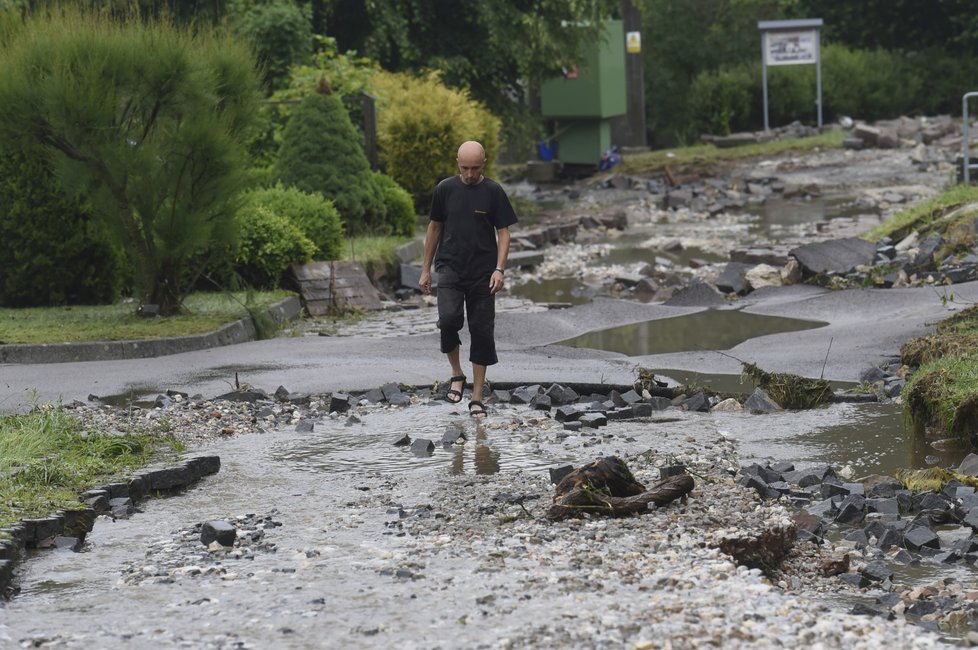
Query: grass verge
point(48, 457)
point(941, 397)
point(205, 312)
point(704, 154)
point(943, 214)
point(373, 249)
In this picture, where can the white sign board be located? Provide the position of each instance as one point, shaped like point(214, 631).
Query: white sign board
point(791, 48)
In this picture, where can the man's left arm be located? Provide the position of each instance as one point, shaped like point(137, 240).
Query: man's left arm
point(502, 245)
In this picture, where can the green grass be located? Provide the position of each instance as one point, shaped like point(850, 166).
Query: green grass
point(373, 249)
point(205, 312)
point(942, 395)
point(656, 161)
point(926, 215)
point(47, 458)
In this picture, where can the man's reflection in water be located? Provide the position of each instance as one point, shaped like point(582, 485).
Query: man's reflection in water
point(486, 458)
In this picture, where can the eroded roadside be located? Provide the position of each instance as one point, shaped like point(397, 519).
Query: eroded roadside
point(348, 541)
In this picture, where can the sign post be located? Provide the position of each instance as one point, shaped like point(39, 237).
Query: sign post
point(791, 42)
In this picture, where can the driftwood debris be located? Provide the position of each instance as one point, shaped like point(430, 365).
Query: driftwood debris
point(607, 487)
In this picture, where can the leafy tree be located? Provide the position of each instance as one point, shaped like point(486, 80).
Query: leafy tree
point(144, 118)
point(498, 49)
point(321, 153)
point(280, 33)
point(680, 40)
point(907, 25)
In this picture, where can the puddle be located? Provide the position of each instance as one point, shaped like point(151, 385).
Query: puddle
point(711, 329)
point(489, 447)
point(780, 218)
point(631, 252)
point(569, 290)
point(869, 437)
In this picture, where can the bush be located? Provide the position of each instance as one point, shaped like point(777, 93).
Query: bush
point(321, 152)
point(269, 244)
point(146, 121)
point(720, 102)
point(863, 84)
point(401, 215)
point(420, 125)
point(52, 249)
point(315, 216)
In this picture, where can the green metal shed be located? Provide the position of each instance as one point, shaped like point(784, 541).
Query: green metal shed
point(582, 102)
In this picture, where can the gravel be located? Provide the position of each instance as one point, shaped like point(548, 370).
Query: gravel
point(481, 547)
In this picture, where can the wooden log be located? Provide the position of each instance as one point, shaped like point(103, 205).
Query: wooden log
point(586, 500)
point(609, 475)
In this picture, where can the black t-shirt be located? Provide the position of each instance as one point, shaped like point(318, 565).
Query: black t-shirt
point(470, 216)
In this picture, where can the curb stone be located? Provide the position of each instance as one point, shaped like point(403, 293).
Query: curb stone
point(239, 331)
point(76, 523)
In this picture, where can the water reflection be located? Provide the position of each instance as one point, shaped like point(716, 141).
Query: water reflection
point(711, 329)
point(369, 445)
point(485, 459)
point(569, 290)
point(870, 437)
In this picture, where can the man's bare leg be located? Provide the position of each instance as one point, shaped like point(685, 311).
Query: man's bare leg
point(453, 360)
point(478, 380)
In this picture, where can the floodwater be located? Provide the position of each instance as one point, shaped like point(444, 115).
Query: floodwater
point(711, 329)
point(336, 492)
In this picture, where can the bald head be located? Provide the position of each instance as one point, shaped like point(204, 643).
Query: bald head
point(471, 161)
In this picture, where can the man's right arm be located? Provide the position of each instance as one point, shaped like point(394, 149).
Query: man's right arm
point(431, 238)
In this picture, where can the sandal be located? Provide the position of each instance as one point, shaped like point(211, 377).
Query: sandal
point(477, 409)
point(455, 396)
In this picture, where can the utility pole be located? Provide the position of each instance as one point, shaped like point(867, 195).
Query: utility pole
point(629, 131)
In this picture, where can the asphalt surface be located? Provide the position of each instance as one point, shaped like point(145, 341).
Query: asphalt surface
point(865, 327)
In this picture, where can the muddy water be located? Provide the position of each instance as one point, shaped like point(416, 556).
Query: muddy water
point(712, 329)
point(333, 489)
point(337, 492)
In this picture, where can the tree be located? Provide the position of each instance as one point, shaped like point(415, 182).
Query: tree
point(321, 153)
point(147, 120)
point(498, 49)
point(280, 33)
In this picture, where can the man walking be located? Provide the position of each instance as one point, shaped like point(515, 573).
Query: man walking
point(469, 229)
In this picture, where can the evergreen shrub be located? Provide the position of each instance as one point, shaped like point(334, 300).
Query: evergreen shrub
point(420, 125)
point(401, 215)
point(321, 152)
point(52, 250)
point(269, 243)
point(315, 216)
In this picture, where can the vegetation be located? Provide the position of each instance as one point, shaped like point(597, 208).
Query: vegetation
point(280, 34)
point(378, 249)
point(205, 312)
point(270, 244)
point(705, 154)
point(941, 214)
point(420, 125)
point(47, 458)
point(158, 150)
point(321, 152)
point(869, 84)
point(316, 217)
point(399, 206)
point(54, 251)
point(498, 50)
